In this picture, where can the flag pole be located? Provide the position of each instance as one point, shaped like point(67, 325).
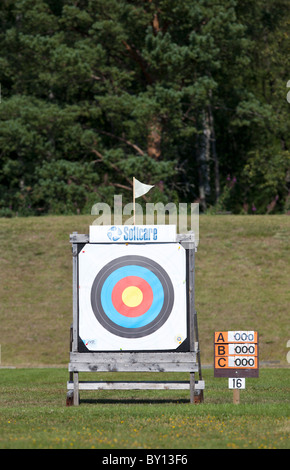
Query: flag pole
point(133, 200)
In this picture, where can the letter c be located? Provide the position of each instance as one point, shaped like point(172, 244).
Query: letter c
point(222, 359)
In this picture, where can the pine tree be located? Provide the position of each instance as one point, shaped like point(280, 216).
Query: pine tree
point(189, 96)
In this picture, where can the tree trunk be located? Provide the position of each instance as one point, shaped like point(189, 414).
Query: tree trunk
point(154, 138)
point(203, 157)
point(214, 155)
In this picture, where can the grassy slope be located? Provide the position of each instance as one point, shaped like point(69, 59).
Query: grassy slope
point(242, 282)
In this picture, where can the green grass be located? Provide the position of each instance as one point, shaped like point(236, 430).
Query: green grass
point(33, 414)
point(242, 282)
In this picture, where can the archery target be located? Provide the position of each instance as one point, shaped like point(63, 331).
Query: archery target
point(129, 300)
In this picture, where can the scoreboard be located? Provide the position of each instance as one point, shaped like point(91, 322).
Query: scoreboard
point(236, 354)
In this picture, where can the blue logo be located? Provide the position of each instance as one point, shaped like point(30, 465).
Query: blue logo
point(114, 233)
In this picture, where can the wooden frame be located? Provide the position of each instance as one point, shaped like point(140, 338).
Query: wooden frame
point(136, 361)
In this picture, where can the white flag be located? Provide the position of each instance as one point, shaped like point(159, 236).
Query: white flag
point(141, 188)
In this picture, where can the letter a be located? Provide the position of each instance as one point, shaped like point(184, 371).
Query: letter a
point(220, 338)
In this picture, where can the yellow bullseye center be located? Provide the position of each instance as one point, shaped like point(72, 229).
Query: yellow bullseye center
point(132, 296)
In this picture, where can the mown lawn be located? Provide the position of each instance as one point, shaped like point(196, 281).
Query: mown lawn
point(33, 414)
point(242, 282)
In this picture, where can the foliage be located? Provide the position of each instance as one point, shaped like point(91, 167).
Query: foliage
point(177, 94)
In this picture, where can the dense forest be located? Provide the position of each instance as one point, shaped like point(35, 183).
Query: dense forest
point(192, 96)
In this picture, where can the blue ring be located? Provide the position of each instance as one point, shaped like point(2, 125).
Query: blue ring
point(152, 312)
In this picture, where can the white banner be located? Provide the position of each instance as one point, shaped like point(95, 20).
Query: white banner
point(132, 233)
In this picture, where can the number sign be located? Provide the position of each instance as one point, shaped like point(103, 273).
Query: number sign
point(237, 384)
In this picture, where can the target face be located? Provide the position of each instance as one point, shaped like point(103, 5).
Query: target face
point(130, 301)
point(132, 296)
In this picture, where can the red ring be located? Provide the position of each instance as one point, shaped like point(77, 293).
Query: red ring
point(124, 309)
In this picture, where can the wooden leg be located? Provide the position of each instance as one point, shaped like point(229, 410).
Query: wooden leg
point(192, 387)
point(76, 389)
point(69, 398)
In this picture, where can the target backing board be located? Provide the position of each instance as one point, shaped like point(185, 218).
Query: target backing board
point(132, 297)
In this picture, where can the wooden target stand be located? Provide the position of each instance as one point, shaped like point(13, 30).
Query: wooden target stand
point(136, 361)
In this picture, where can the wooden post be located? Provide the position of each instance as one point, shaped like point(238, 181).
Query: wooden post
point(191, 269)
point(236, 396)
point(200, 396)
point(76, 398)
point(192, 387)
point(75, 296)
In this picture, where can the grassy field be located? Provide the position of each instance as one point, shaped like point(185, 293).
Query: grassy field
point(242, 282)
point(33, 414)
